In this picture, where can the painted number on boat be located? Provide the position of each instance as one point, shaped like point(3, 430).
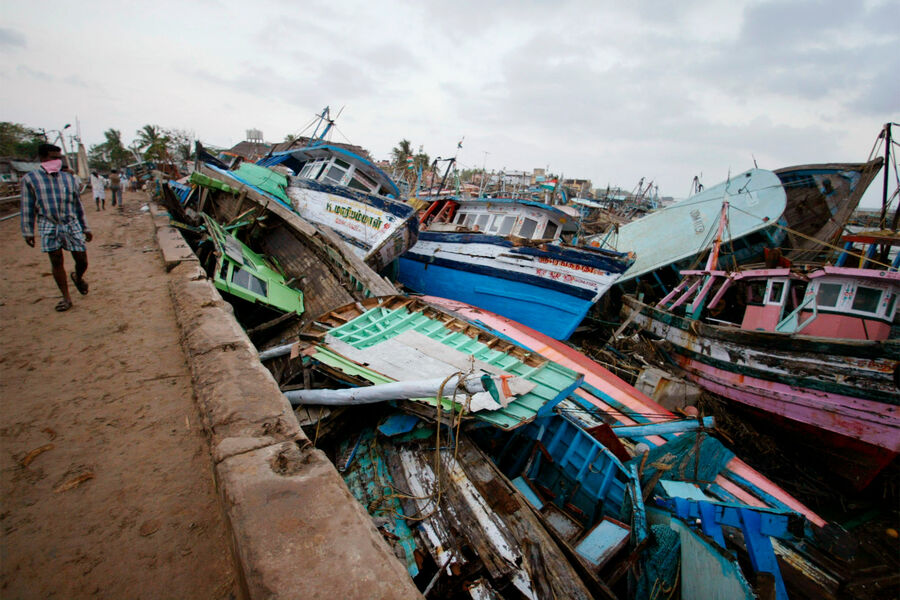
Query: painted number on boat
point(568, 265)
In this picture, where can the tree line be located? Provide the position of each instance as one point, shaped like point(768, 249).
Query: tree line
point(151, 142)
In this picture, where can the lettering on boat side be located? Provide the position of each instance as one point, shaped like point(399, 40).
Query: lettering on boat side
point(699, 227)
point(568, 265)
point(356, 215)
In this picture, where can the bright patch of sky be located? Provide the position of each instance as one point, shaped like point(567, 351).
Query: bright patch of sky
point(606, 91)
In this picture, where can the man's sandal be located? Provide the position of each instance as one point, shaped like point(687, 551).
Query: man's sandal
point(80, 284)
point(63, 305)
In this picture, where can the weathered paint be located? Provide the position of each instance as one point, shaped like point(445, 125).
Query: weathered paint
point(377, 229)
point(617, 399)
point(551, 382)
point(682, 230)
point(603, 541)
point(549, 288)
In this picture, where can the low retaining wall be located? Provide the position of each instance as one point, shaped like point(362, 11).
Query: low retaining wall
point(297, 532)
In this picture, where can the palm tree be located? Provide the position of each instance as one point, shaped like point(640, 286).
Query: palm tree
point(114, 148)
point(148, 135)
point(401, 152)
point(152, 140)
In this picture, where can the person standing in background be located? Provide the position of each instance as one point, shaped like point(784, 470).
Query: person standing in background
point(97, 188)
point(115, 187)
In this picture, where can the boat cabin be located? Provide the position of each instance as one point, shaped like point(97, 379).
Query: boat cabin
point(829, 302)
point(832, 303)
point(332, 165)
point(504, 217)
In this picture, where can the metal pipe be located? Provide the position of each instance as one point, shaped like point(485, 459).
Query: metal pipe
point(275, 352)
point(398, 390)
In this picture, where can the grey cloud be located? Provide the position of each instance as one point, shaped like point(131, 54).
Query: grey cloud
point(33, 73)
point(10, 38)
point(881, 94)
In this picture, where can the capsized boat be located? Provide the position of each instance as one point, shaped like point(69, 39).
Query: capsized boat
point(346, 192)
point(508, 256)
point(802, 207)
point(808, 346)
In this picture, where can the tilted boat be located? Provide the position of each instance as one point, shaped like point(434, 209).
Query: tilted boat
point(808, 346)
point(802, 208)
point(346, 192)
point(507, 256)
point(312, 259)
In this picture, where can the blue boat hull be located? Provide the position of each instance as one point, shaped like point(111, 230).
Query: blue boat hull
point(550, 311)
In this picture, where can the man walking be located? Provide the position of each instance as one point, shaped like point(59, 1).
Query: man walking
point(51, 197)
point(115, 187)
point(97, 188)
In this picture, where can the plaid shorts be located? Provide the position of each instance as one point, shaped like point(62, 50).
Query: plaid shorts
point(68, 236)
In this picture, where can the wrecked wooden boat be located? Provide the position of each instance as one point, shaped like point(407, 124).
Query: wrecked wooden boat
point(313, 260)
point(802, 208)
point(246, 276)
point(584, 488)
point(346, 192)
point(507, 256)
point(808, 346)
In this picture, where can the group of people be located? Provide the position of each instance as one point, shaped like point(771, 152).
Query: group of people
point(116, 184)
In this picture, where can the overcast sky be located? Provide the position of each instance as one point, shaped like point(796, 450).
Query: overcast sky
point(597, 90)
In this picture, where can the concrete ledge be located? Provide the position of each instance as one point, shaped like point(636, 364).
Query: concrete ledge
point(297, 531)
point(302, 534)
point(238, 398)
point(173, 247)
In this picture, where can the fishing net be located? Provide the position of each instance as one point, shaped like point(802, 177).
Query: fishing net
point(692, 456)
point(658, 576)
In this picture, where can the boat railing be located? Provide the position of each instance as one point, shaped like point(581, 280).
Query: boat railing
point(791, 324)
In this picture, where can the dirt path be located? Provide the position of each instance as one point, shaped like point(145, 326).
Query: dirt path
point(117, 498)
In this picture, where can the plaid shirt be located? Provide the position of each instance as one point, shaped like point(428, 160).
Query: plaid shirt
point(51, 197)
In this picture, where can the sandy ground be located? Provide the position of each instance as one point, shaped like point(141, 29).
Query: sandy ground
point(106, 478)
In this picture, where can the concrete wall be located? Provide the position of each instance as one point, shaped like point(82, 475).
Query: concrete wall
point(297, 532)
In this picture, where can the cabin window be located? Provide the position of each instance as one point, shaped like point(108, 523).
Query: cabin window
point(248, 281)
point(362, 182)
point(795, 295)
point(356, 185)
point(470, 220)
point(334, 174)
point(495, 224)
point(312, 169)
point(866, 299)
point(890, 306)
point(481, 222)
point(223, 274)
point(828, 294)
point(776, 291)
point(507, 225)
point(550, 230)
point(756, 293)
point(460, 217)
point(528, 227)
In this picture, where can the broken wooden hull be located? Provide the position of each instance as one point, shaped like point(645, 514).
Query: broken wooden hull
point(323, 267)
point(842, 388)
point(549, 288)
point(820, 199)
point(625, 405)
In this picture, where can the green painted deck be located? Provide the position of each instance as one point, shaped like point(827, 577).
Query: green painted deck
point(553, 381)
